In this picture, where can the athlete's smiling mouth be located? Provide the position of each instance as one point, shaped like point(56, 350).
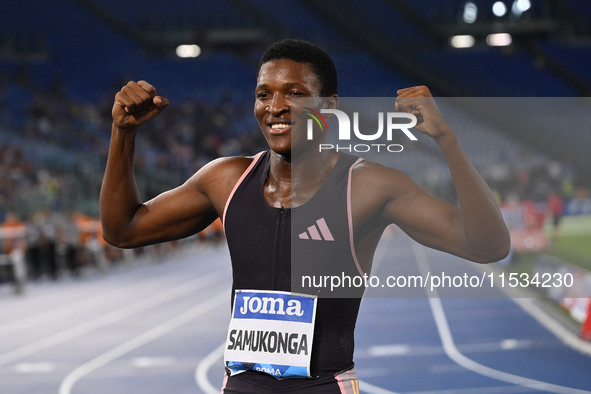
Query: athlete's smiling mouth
point(279, 127)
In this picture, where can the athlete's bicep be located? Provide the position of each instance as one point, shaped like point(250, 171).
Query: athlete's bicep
point(181, 212)
point(427, 219)
point(188, 208)
point(174, 214)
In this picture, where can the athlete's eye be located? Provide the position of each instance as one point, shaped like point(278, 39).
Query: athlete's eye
point(295, 93)
point(262, 95)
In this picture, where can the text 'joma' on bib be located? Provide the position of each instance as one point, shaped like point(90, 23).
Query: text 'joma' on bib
point(271, 332)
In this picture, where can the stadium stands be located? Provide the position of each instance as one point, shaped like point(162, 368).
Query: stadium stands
point(61, 63)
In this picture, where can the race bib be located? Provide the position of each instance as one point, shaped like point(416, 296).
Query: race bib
point(271, 332)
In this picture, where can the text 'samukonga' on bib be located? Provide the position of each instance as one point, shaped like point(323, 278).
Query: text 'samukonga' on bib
point(271, 332)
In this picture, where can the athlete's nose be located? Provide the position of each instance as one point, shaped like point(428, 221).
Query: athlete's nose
point(277, 105)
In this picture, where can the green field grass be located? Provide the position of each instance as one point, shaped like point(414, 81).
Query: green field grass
point(573, 243)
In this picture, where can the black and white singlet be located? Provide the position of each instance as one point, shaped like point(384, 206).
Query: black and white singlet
point(266, 243)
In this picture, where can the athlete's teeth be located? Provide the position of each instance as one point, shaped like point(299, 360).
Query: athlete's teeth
point(280, 125)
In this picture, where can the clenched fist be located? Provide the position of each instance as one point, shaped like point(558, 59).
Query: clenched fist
point(418, 101)
point(135, 104)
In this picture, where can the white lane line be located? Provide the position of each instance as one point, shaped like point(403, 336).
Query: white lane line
point(112, 317)
point(152, 362)
point(395, 349)
point(203, 368)
point(379, 255)
point(42, 367)
point(479, 390)
point(47, 295)
point(365, 387)
point(218, 353)
point(401, 349)
point(71, 308)
point(68, 383)
point(63, 294)
point(452, 351)
point(529, 303)
point(567, 337)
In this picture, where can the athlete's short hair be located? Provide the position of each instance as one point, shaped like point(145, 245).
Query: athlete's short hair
point(305, 52)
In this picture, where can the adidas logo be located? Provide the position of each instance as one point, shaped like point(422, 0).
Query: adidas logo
point(318, 232)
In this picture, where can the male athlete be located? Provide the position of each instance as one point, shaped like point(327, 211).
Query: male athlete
point(291, 185)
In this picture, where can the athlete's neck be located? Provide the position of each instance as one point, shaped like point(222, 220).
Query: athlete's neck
point(291, 183)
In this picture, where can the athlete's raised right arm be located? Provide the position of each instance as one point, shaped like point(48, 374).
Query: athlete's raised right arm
point(177, 213)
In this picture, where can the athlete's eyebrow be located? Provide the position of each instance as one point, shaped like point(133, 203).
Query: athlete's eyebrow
point(286, 85)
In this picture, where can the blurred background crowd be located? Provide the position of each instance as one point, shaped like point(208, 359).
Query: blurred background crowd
point(62, 62)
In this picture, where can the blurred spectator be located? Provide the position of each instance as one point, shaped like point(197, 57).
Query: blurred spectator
point(48, 222)
point(12, 234)
point(555, 209)
point(33, 256)
point(12, 250)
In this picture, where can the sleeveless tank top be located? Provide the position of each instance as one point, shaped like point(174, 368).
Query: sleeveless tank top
point(271, 247)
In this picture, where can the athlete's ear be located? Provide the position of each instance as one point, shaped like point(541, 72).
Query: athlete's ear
point(331, 102)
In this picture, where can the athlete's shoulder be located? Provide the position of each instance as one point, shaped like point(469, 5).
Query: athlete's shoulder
point(370, 170)
point(372, 177)
point(217, 178)
point(231, 164)
point(223, 170)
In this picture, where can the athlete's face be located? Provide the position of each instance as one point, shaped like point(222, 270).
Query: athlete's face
point(278, 82)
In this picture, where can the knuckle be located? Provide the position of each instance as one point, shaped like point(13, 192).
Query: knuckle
point(146, 86)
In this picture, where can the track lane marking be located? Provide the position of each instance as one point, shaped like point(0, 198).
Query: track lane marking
point(162, 329)
point(369, 388)
point(452, 351)
point(111, 317)
point(530, 303)
point(77, 306)
point(203, 368)
point(127, 283)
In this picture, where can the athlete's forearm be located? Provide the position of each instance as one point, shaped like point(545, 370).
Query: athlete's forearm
point(484, 229)
point(119, 198)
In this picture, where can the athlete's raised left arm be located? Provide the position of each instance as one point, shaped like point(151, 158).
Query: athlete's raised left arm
point(475, 229)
